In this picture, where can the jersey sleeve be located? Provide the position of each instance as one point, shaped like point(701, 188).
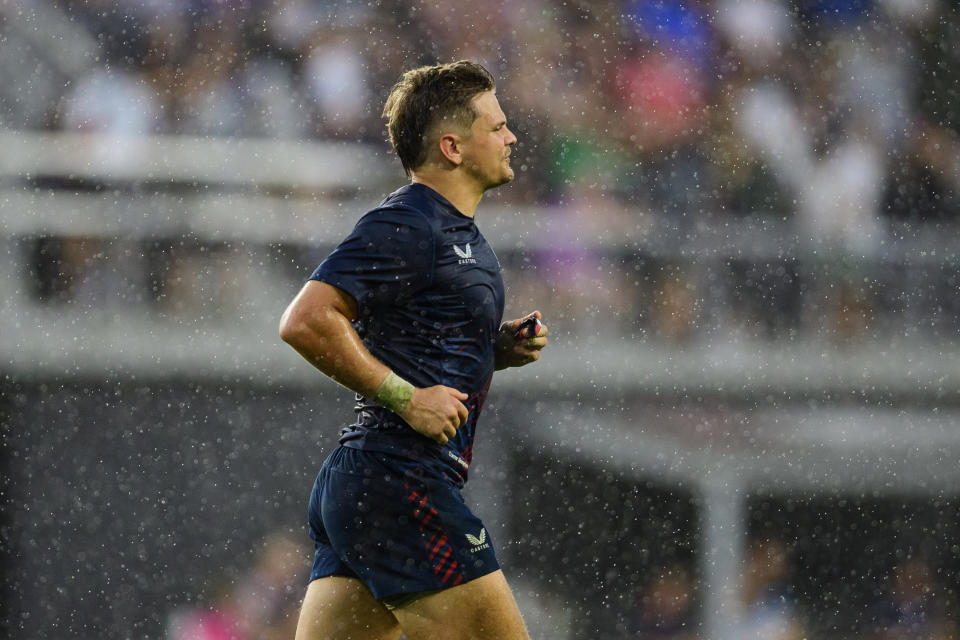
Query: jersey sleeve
point(387, 258)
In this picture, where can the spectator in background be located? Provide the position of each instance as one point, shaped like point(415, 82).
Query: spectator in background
point(73, 270)
point(924, 183)
point(915, 608)
point(261, 605)
point(337, 84)
point(269, 595)
point(475, 31)
point(116, 104)
point(546, 78)
point(208, 99)
point(662, 89)
point(769, 606)
point(109, 101)
point(291, 24)
point(753, 37)
point(662, 81)
point(272, 103)
point(673, 315)
point(219, 621)
point(665, 610)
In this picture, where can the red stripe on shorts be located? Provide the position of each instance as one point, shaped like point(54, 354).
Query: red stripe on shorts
point(438, 547)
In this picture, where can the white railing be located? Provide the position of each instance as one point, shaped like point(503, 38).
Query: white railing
point(314, 167)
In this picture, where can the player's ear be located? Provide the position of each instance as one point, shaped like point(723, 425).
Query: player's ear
point(450, 148)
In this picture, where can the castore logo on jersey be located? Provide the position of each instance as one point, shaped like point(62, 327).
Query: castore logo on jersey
point(465, 254)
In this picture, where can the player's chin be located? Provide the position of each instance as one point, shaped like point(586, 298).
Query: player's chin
point(493, 184)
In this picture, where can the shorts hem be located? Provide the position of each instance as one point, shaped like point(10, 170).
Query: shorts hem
point(400, 600)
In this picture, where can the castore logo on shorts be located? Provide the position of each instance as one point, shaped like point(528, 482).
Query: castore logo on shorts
point(478, 544)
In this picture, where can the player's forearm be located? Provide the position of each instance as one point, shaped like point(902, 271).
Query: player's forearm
point(325, 337)
point(327, 340)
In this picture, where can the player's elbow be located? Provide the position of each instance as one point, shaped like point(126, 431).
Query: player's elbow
point(293, 327)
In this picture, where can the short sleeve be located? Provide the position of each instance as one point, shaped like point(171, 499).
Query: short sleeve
point(386, 259)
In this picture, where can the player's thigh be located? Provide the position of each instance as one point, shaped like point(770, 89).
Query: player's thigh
point(482, 609)
point(339, 608)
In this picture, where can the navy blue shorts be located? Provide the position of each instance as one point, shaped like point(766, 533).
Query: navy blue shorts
point(399, 526)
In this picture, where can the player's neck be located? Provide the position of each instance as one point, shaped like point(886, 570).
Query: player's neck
point(464, 196)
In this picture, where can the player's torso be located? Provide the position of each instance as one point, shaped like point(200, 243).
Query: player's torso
point(444, 331)
point(466, 301)
point(440, 326)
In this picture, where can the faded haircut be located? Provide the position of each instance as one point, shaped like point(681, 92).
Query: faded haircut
point(424, 98)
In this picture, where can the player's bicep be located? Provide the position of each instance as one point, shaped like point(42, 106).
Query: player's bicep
point(323, 295)
point(315, 304)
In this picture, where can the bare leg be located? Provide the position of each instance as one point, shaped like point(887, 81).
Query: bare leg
point(338, 608)
point(482, 609)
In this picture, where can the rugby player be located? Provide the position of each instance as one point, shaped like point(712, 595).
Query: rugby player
point(407, 312)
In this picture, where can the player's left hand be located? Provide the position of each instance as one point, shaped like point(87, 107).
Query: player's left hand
point(520, 341)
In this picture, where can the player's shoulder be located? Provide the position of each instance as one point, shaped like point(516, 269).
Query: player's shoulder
point(407, 206)
point(413, 198)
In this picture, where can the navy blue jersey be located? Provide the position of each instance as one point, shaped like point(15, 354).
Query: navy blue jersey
point(430, 300)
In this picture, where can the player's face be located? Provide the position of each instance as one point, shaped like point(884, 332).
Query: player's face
point(486, 153)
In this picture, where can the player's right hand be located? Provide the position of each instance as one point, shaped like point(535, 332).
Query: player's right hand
point(436, 412)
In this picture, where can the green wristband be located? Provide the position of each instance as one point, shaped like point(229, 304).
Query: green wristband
point(394, 393)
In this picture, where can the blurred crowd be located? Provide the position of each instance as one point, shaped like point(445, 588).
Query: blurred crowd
point(833, 111)
point(911, 604)
point(262, 603)
point(836, 119)
point(912, 601)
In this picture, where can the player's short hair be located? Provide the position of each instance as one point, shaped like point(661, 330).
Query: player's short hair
point(424, 98)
